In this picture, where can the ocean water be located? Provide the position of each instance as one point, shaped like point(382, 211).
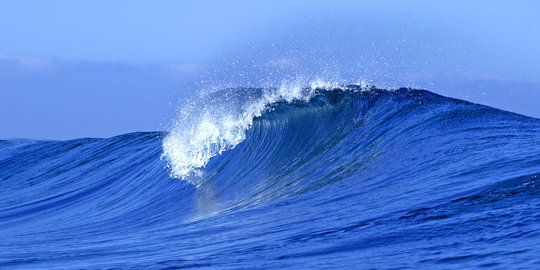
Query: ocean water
point(319, 177)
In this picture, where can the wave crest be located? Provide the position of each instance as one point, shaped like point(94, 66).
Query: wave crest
point(219, 121)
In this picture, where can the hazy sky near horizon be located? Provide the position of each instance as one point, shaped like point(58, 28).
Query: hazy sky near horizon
point(98, 68)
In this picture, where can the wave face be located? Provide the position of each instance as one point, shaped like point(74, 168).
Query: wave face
point(313, 177)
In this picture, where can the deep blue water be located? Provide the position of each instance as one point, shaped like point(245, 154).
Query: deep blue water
point(341, 178)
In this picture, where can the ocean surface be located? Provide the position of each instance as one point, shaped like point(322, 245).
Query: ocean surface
point(318, 177)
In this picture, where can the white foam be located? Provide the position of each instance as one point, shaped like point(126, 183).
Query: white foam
point(206, 129)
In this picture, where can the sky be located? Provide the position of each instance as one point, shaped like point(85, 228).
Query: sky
point(71, 69)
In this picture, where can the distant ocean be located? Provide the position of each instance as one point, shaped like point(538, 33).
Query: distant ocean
point(325, 176)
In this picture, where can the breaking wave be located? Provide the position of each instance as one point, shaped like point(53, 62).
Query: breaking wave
point(324, 176)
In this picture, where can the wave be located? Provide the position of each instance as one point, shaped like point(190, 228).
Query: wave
point(219, 122)
point(325, 176)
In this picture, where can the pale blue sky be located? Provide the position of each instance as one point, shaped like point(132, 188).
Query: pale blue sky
point(98, 68)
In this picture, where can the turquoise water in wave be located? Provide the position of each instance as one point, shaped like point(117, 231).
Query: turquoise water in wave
point(340, 177)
